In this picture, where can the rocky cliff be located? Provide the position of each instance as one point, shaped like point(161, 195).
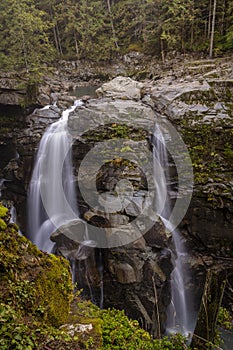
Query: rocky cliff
point(198, 102)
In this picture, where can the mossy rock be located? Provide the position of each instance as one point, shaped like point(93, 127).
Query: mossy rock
point(3, 211)
point(27, 273)
point(36, 311)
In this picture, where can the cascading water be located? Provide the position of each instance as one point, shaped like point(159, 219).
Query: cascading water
point(52, 199)
point(1, 184)
point(54, 157)
point(59, 196)
point(181, 317)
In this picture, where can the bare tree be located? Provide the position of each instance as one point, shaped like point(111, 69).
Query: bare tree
point(213, 29)
point(112, 24)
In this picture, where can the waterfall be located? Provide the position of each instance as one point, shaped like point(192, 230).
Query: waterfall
point(52, 195)
point(52, 199)
point(1, 185)
point(181, 317)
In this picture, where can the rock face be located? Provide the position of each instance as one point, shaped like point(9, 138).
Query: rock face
point(22, 141)
point(12, 90)
point(202, 113)
point(134, 277)
point(135, 269)
point(136, 272)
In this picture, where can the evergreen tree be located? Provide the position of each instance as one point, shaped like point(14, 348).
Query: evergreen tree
point(34, 32)
point(23, 35)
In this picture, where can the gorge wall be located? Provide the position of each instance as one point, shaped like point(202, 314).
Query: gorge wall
point(136, 275)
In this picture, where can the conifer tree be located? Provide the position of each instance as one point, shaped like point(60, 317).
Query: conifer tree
point(23, 36)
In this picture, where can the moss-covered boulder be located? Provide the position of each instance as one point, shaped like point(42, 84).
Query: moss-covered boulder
point(36, 282)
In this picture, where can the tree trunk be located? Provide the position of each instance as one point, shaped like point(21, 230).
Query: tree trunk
point(58, 39)
point(212, 30)
point(205, 330)
point(54, 32)
point(24, 51)
point(55, 40)
point(223, 17)
point(76, 44)
point(162, 50)
point(209, 20)
point(112, 24)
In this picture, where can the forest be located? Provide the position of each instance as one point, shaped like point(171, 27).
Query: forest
point(36, 33)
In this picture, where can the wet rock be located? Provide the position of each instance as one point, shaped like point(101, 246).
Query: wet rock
point(157, 236)
point(66, 101)
point(97, 113)
point(124, 272)
point(70, 235)
point(43, 99)
point(85, 98)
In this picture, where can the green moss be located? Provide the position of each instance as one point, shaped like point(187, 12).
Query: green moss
point(3, 225)
point(3, 211)
point(224, 319)
point(35, 300)
point(54, 290)
point(207, 97)
point(31, 280)
point(115, 131)
point(209, 148)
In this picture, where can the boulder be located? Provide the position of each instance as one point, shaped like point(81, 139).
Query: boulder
point(122, 88)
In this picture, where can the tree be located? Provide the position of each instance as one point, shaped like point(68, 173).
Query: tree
point(51, 9)
point(112, 23)
point(229, 21)
point(213, 28)
point(177, 20)
point(23, 36)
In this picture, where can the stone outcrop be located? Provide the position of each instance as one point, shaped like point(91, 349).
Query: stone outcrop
point(201, 111)
point(134, 277)
point(135, 269)
point(121, 88)
point(22, 141)
point(202, 114)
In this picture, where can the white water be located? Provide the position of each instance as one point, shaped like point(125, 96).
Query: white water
point(52, 196)
point(180, 314)
point(53, 161)
point(1, 185)
point(53, 158)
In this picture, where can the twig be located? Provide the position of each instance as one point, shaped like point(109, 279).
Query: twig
point(207, 341)
point(157, 308)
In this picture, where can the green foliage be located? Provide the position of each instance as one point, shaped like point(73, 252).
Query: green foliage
point(3, 211)
point(224, 318)
point(3, 225)
point(14, 334)
point(33, 33)
point(23, 36)
point(21, 295)
point(121, 333)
